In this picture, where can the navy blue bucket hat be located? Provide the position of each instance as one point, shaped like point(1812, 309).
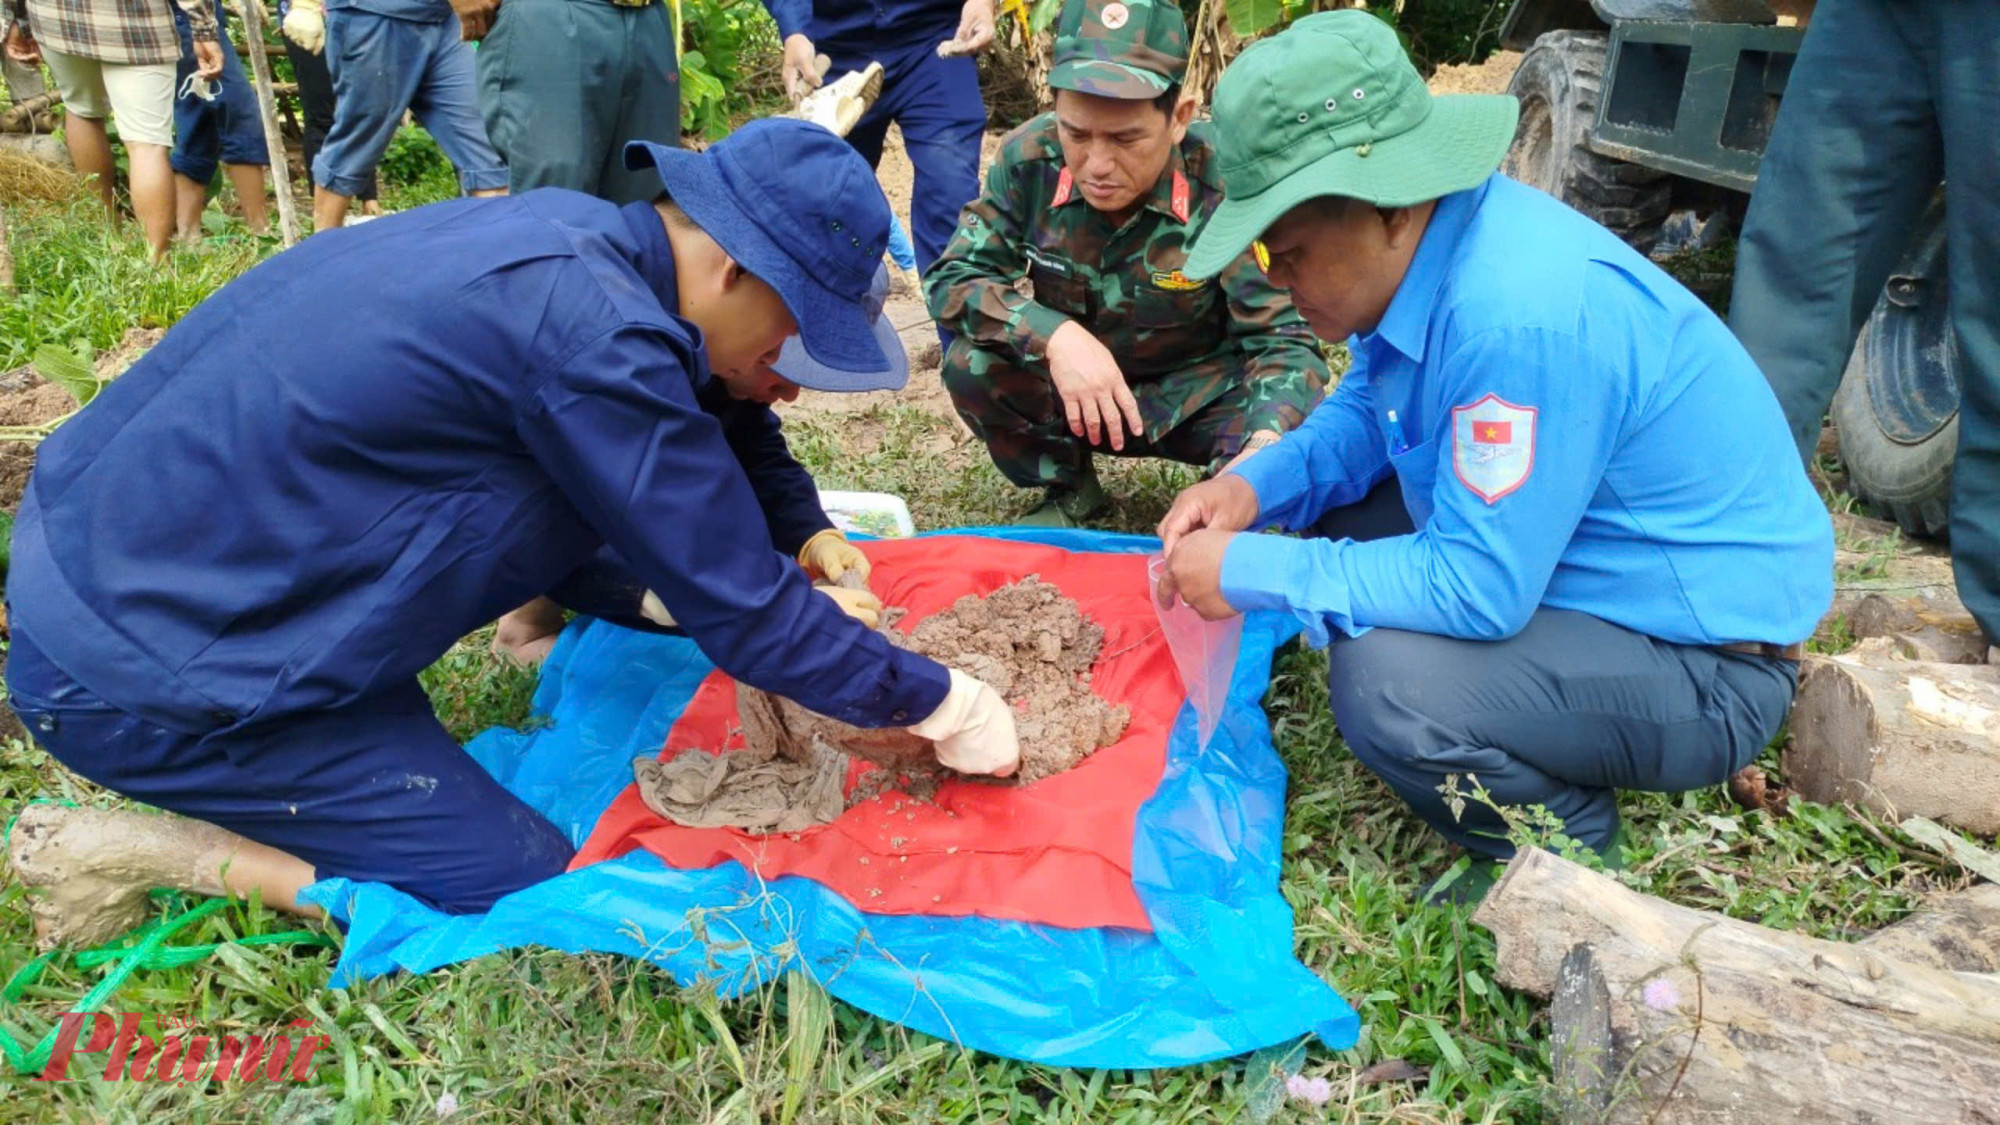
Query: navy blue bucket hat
point(799, 209)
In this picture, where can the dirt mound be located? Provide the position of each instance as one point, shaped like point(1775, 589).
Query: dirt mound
point(1489, 77)
point(42, 402)
point(1026, 640)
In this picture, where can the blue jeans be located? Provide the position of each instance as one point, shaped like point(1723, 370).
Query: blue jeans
point(1563, 714)
point(227, 129)
point(383, 65)
point(374, 791)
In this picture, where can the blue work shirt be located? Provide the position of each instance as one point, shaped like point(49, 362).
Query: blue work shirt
point(387, 436)
point(416, 11)
point(1570, 428)
point(862, 26)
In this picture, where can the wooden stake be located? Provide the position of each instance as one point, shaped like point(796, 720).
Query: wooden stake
point(6, 256)
point(267, 105)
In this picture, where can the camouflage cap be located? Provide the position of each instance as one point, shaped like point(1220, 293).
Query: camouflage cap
point(1131, 49)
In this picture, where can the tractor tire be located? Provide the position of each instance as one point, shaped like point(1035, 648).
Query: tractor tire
point(1896, 412)
point(1558, 84)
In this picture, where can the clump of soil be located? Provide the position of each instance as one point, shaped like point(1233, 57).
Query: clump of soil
point(1026, 640)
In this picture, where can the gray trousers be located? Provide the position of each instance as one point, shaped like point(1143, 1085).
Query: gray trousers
point(565, 83)
point(1888, 97)
point(1563, 714)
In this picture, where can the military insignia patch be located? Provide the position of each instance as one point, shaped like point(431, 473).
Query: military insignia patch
point(1177, 282)
point(1115, 15)
point(1065, 183)
point(1262, 255)
point(1493, 446)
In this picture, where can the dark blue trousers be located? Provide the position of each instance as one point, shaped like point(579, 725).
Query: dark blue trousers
point(228, 128)
point(936, 103)
point(376, 791)
point(1563, 714)
point(1888, 98)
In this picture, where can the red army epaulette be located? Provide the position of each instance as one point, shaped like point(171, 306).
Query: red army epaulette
point(1180, 196)
point(1064, 183)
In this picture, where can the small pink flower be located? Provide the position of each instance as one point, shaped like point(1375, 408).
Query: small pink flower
point(447, 1104)
point(1317, 1091)
point(1661, 995)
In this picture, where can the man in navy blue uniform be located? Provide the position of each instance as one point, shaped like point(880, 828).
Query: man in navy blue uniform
point(229, 569)
point(1601, 555)
point(932, 94)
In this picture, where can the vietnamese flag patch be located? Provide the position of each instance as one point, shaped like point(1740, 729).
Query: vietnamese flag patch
point(1492, 446)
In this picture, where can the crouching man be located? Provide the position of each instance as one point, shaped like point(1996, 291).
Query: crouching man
point(230, 568)
point(1601, 555)
point(1118, 350)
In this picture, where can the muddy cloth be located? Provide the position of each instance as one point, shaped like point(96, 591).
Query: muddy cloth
point(754, 790)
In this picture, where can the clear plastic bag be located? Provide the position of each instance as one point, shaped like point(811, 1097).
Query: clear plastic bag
point(1204, 652)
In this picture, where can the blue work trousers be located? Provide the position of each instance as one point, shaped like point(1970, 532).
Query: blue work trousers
point(226, 129)
point(376, 791)
point(381, 66)
point(936, 103)
point(1888, 99)
point(1563, 714)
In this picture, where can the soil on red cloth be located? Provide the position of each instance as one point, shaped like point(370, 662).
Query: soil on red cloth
point(1057, 851)
point(1025, 640)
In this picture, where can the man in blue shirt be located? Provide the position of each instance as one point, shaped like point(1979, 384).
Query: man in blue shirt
point(1609, 553)
point(930, 89)
point(229, 569)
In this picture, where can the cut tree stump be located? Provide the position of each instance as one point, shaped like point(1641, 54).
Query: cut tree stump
point(1903, 738)
point(1719, 1021)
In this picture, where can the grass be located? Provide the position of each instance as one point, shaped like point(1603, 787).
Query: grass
point(538, 1035)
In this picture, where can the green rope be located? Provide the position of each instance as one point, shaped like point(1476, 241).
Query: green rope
point(143, 948)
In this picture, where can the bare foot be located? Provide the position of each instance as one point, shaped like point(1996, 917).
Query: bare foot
point(528, 634)
point(94, 867)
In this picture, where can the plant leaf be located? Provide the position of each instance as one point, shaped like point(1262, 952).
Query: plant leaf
point(67, 370)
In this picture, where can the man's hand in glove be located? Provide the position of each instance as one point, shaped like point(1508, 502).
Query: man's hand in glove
point(858, 604)
point(828, 555)
point(861, 605)
point(305, 24)
point(973, 729)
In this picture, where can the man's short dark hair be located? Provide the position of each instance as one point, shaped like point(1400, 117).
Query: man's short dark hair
point(1168, 99)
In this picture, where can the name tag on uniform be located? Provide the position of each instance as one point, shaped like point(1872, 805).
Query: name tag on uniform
point(1174, 281)
point(1054, 265)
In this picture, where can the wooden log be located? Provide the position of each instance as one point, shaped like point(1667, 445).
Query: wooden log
point(1903, 738)
point(1717, 1020)
point(1959, 931)
point(1910, 597)
point(267, 105)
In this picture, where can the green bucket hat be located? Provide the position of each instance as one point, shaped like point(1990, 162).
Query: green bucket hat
point(1332, 106)
point(1131, 49)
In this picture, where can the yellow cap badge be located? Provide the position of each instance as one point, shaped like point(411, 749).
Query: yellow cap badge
point(1263, 255)
point(1177, 282)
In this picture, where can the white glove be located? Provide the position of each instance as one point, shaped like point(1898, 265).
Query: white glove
point(653, 609)
point(973, 729)
point(305, 24)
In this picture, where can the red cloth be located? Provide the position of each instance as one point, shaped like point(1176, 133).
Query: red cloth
point(1058, 852)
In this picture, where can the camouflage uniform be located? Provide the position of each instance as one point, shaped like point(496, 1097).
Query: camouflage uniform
point(1208, 362)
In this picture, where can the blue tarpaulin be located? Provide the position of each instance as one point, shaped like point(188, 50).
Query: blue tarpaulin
point(1215, 978)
